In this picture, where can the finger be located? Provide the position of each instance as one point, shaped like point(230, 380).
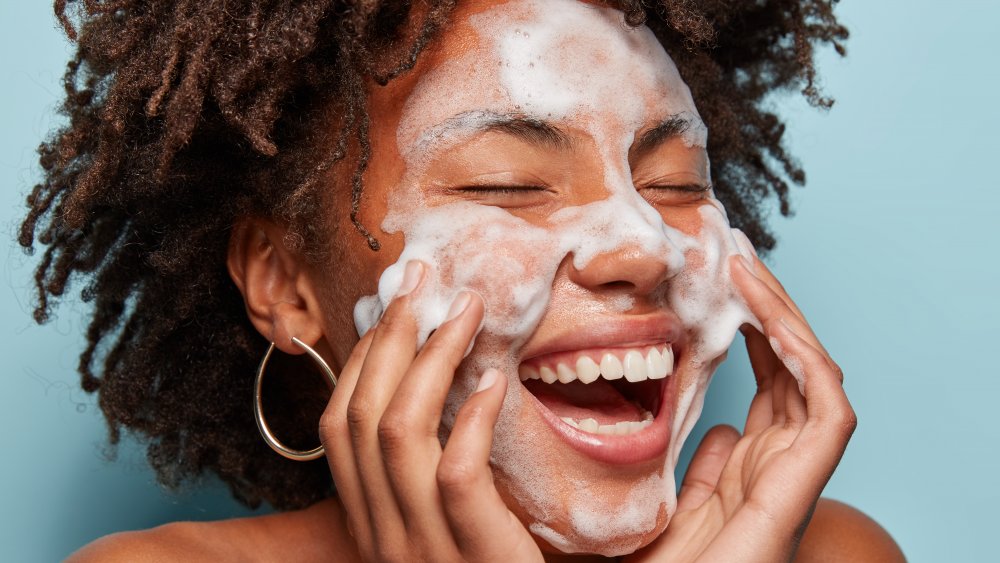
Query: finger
point(393, 347)
point(762, 359)
point(765, 364)
point(336, 439)
point(419, 399)
point(795, 403)
point(767, 305)
point(408, 431)
point(764, 302)
point(702, 477)
point(761, 270)
point(760, 415)
point(390, 354)
point(830, 417)
point(483, 527)
point(778, 398)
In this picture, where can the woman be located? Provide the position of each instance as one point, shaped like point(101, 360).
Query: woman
point(531, 247)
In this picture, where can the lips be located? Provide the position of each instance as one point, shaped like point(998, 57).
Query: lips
point(610, 402)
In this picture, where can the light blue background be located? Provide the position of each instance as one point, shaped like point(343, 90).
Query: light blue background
point(892, 256)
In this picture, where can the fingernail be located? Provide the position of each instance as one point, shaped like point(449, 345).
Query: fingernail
point(487, 380)
point(411, 277)
point(748, 265)
point(459, 305)
point(744, 244)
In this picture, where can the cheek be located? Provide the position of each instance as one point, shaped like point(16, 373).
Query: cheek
point(471, 247)
point(703, 295)
point(688, 220)
point(501, 263)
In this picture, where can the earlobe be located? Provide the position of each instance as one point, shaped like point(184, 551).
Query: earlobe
point(277, 290)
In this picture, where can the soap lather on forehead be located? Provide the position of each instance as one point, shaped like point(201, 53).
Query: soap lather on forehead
point(557, 61)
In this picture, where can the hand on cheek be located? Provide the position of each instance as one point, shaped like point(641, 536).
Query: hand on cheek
point(406, 497)
point(749, 497)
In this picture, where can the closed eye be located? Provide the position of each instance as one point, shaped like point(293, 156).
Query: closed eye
point(691, 188)
point(674, 194)
point(508, 196)
point(500, 189)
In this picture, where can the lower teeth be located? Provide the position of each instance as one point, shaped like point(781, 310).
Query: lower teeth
point(619, 429)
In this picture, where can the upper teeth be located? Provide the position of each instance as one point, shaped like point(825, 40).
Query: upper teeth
point(656, 364)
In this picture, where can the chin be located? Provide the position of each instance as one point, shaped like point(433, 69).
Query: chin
point(584, 508)
point(596, 535)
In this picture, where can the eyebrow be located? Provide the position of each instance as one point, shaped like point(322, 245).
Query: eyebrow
point(529, 130)
point(671, 127)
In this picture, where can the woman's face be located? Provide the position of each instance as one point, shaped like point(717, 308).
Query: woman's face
point(553, 161)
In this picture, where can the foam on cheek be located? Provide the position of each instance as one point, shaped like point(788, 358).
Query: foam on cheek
point(712, 309)
point(451, 240)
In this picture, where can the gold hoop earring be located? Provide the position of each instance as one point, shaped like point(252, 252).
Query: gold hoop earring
point(258, 406)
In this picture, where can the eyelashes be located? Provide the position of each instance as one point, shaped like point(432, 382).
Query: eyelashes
point(507, 196)
point(501, 189)
point(675, 194)
point(515, 189)
point(689, 188)
point(527, 195)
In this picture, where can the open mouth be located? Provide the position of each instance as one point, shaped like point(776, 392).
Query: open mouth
point(605, 399)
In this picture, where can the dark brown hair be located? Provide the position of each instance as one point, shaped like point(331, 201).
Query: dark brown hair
point(185, 115)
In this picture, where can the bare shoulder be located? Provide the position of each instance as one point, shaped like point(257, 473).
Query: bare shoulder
point(187, 541)
point(316, 533)
point(838, 532)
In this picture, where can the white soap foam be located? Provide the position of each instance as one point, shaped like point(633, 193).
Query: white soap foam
point(621, 303)
point(592, 521)
point(792, 364)
point(566, 62)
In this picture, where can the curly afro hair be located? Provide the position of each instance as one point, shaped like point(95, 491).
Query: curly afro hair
point(186, 115)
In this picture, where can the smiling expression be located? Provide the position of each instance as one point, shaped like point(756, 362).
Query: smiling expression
point(553, 161)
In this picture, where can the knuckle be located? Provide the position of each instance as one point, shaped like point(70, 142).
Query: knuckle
point(332, 425)
point(358, 418)
point(838, 371)
point(846, 421)
point(850, 421)
point(393, 432)
point(455, 475)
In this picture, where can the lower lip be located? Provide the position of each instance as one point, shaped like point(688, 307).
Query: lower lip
point(645, 445)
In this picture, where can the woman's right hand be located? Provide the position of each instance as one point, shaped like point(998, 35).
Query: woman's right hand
point(406, 497)
point(749, 497)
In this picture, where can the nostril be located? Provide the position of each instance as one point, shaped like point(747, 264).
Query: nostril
point(625, 269)
point(619, 286)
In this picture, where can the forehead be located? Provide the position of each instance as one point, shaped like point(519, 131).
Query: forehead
point(560, 61)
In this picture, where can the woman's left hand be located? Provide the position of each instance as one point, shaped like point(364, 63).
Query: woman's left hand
point(749, 497)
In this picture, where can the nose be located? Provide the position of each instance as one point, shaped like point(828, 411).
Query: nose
point(621, 244)
point(631, 268)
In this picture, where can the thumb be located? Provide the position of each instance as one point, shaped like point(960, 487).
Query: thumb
point(706, 466)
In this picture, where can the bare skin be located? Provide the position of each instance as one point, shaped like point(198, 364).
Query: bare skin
point(403, 496)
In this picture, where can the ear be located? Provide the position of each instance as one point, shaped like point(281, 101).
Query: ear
point(276, 286)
